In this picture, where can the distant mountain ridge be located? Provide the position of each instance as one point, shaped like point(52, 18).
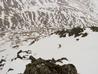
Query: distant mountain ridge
point(41, 14)
point(41, 18)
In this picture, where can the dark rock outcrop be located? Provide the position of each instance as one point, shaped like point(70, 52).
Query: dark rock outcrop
point(94, 29)
point(76, 32)
point(41, 66)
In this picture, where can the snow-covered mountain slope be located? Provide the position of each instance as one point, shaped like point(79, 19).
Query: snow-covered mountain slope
point(82, 53)
point(32, 15)
point(23, 22)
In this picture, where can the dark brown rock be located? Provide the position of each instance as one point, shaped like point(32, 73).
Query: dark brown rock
point(41, 66)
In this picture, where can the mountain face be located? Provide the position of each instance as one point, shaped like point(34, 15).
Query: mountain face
point(27, 21)
point(35, 15)
point(39, 18)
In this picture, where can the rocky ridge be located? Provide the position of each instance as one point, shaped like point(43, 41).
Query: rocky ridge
point(35, 19)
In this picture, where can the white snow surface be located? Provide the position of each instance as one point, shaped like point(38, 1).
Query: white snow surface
point(83, 53)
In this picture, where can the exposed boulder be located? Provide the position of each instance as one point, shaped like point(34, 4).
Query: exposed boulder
point(41, 66)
